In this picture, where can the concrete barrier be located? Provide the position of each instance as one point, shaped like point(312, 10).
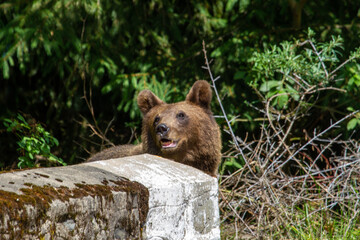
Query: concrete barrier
point(137, 197)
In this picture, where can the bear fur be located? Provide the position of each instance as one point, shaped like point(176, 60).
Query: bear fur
point(185, 132)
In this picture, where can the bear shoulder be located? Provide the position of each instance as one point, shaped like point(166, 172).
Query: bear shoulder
point(118, 151)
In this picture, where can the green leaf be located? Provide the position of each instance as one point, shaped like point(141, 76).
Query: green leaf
point(233, 163)
point(266, 86)
point(56, 141)
point(34, 44)
point(230, 4)
point(127, 106)
point(21, 118)
point(244, 4)
point(216, 53)
point(6, 69)
point(352, 124)
point(22, 161)
point(282, 100)
point(47, 47)
point(11, 61)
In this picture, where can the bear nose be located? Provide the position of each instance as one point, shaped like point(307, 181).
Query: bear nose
point(162, 129)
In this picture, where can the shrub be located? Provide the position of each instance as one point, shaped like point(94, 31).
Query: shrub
point(34, 143)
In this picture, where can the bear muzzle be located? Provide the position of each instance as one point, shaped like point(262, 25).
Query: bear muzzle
point(162, 131)
point(167, 143)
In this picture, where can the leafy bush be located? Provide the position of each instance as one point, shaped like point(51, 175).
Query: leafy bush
point(288, 72)
point(34, 143)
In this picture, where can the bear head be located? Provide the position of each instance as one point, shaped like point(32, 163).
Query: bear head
point(185, 132)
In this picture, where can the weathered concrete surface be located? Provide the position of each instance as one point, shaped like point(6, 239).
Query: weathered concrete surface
point(108, 200)
point(74, 202)
point(183, 201)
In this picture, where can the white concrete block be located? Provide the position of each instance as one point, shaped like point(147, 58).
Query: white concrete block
point(183, 201)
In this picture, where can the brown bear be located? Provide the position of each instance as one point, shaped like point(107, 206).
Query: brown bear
point(185, 132)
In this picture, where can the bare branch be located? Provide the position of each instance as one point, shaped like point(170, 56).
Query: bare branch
point(207, 66)
point(317, 136)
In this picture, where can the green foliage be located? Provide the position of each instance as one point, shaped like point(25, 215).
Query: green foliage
point(289, 78)
point(34, 141)
point(131, 85)
point(287, 71)
point(49, 49)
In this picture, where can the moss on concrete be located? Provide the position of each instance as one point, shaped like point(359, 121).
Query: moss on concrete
point(13, 205)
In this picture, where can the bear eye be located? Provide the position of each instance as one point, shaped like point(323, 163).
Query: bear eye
point(156, 120)
point(180, 116)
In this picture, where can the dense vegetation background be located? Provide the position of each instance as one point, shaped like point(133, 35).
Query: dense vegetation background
point(55, 53)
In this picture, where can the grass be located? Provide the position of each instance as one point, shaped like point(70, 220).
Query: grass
point(308, 224)
point(324, 225)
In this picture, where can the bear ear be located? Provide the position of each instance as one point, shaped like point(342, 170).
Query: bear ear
point(200, 94)
point(147, 100)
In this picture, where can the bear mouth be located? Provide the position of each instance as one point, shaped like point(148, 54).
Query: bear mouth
point(167, 143)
